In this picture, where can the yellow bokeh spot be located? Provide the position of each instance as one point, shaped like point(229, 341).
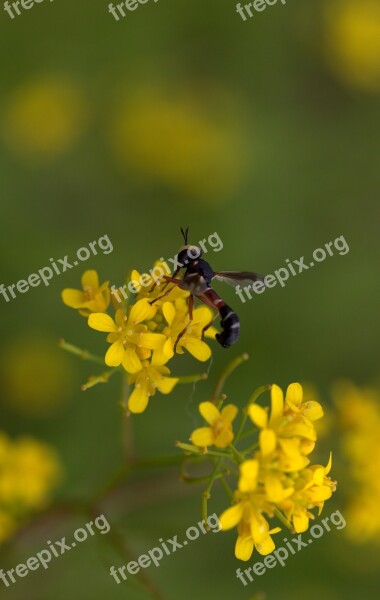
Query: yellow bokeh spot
point(175, 141)
point(36, 375)
point(43, 118)
point(353, 41)
point(29, 471)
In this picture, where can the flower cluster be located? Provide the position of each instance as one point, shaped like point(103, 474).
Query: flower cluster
point(29, 470)
point(359, 422)
point(146, 335)
point(275, 476)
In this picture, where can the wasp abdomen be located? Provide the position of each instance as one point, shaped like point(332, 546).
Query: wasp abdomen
point(230, 321)
point(231, 327)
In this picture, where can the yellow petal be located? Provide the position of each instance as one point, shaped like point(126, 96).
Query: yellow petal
point(266, 547)
point(250, 469)
point(90, 279)
point(300, 522)
point(198, 349)
point(141, 311)
point(130, 361)
point(102, 322)
point(313, 410)
point(229, 412)
point(244, 548)
point(209, 412)
point(153, 341)
point(274, 530)
point(294, 394)
point(211, 332)
point(115, 354)
point(166, 384)
point(267, 441)
point(258, 415)
point(202, 437)
point(138, 400)
point(223, 438)
point(320, 494)
point(329, 464)
point(231, 517)
point(291, 448)
point(168, 311)
point(303, 430)
point(73, 298)
point(277, 402)
point(135, 277)
point(259, 528)
point(202, 316)
point(274, 489)
point(159, 358)
point(168, 349)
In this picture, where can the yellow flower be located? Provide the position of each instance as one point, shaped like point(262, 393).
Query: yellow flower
point(312, 488)
point(220, 432)
point(177, 318)
point(147, 381)
point(310, 409)
point(253, 528)
point(289, 427)
point(277, 478)
point(268, 476)
point(130, 342)
point(92, 299)
point(353, 42)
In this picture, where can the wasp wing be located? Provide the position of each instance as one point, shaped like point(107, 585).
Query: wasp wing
point(235, 278)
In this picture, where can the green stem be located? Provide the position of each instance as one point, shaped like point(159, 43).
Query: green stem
point(192, 378)
point(207, 493)
point(118, 542)
point(96, 379)
point(196, 480)
point(236, 453)
point(202, 451)
point(128, 439)
point(247, 433)
point(225, 374)
point(126, 469)
point(256, 394)
point(84, 354)
point(252, 448)
point(283, 519)
point(227, 487)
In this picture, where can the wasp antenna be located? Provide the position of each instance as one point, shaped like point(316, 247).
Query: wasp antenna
point(185, 233)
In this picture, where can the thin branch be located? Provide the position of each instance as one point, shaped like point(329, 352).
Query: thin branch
point(225, 374)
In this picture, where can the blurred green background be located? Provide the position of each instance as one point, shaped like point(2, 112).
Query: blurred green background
point(181, 114)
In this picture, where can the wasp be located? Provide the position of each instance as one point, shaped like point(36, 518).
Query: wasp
point(197, 279)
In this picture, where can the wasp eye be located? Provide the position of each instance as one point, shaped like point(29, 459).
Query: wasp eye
point(194, 252)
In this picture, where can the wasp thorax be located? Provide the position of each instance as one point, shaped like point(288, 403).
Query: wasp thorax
point(189, 253)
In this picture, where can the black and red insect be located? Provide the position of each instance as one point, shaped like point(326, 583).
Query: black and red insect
point(197, 279)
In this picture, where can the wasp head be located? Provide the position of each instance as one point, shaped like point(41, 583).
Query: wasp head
point(188, 253)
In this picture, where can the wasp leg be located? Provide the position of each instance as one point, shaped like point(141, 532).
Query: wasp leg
point(211, 305)
point(190, 305)
point(209, 325)
point(168, 280)
point(167, 283)
point(162, 296)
